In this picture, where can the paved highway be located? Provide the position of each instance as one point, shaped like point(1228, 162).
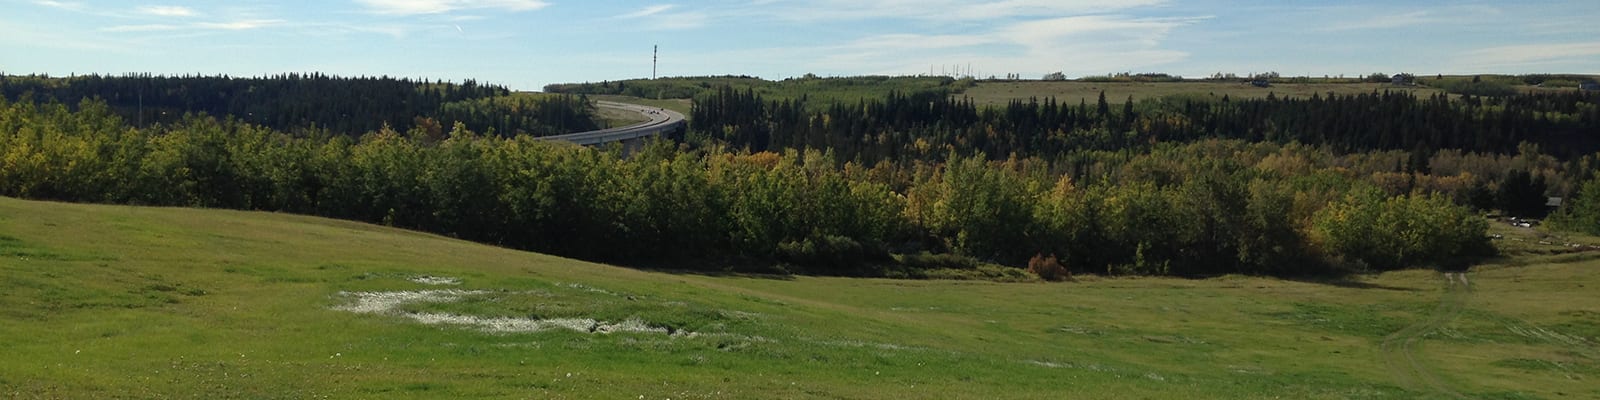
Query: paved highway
point(661, 121)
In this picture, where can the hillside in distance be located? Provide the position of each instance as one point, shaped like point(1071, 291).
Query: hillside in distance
point(1118, 88)
point(314, 104)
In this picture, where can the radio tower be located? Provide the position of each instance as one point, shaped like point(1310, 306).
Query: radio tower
point(655, 50)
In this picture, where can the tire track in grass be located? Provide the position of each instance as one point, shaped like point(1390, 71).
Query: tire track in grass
point(1399, 349)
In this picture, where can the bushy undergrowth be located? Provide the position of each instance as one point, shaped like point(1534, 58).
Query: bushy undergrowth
point(931, 261)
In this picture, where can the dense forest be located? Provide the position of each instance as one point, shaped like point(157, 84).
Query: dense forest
point(299, 103)
point(926, 125)
point(919, 184)
point(1210, 207)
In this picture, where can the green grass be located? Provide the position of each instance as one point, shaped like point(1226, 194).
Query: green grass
point(614, 118)
point(131, 302)
point(682, 106)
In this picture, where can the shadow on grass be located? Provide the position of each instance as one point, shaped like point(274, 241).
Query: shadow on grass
point(1536, 258)
point(1355, 284)
point(724, 274)
point(1348, 282)
point(730, 269)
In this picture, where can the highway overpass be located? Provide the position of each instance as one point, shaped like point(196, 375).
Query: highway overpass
point(661, 121)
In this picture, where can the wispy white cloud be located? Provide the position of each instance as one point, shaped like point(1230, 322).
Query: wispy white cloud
point(241, 24)
point(1353, 18)
point(417, 7)
point(680, 21)
point(340, 29)
point(65, 5)
point(951, 10)
point(662, 17)
point(393, 31)
point(1532, 55)
point(1078, 45)
point(647, 11)
point(167, 11)
point(41, 35)
point(142, 28)
point(1010, 8)
point(907, 41)
point(1385, 21)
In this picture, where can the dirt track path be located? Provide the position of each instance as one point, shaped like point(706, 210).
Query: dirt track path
point(1399, 349)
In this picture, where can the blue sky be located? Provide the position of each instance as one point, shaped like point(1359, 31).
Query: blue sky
point(525, 44)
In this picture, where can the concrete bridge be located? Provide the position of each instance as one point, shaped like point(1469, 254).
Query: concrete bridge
point(661, 121)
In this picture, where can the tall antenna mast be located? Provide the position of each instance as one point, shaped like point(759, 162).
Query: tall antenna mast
point(655, 52)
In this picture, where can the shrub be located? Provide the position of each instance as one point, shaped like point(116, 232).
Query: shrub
point(1048, 268)
point(929, 261)
point(983, 272)
point(829, 254)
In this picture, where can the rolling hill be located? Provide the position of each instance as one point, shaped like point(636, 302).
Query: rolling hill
point(136, 302)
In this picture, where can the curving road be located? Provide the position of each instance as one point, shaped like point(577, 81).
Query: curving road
point(661, 121)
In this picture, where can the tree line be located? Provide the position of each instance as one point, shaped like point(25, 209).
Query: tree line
point(927, 125)
point(1201, 208)
point(815, 91)
point(304, 102)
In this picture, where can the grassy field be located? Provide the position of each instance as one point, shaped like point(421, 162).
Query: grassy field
point(682, 106)
point(1071, 92)
point(613, 118)
point(131, 302)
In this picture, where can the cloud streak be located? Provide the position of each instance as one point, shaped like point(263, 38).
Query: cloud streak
point(1385, 21)
point(167, 11)
point(422, 7)
point(65, 5)
point(239, 25)
point(953, 10)
point(1363, 19)
point(1078, 45)
point(142, 28)
point(647, 11)
point(1533, 55)
point(662, 17)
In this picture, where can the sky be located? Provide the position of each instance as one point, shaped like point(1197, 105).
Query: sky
point(526, 44)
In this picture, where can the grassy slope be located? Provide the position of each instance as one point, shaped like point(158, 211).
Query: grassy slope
point(682, 106)
point(111, 301)
point(614, 118)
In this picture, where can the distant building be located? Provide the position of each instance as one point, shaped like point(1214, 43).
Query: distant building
point(1552, 203)
point(1261, 83)
point(1402, 79)
point(1591, 86)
